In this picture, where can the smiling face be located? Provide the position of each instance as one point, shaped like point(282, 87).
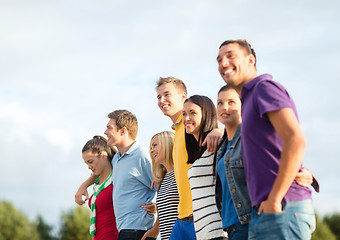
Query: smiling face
point(95, 162)
point(235, 65)
point(229, 108)
point(170, 100)
point(156, 151)
point(113, 134)
point(192, 118)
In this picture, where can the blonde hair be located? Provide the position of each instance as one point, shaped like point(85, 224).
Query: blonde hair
point(166, 143)
point(178, 83)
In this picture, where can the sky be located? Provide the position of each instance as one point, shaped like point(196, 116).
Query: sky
point(64, 65)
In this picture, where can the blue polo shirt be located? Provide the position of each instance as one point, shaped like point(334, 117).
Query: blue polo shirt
point(131, 189)
point(261, 145)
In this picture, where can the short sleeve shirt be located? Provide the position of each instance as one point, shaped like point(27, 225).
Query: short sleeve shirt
point(132, 180)
point(261, 145)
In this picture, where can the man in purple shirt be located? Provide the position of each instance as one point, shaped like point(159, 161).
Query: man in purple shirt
point(273, 146)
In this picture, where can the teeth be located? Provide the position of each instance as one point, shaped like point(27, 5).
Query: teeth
point(228, 71)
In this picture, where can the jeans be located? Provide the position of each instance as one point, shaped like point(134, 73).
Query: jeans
point(127, 234)
point(296, 221)
point(238, 231)
point(183, 231)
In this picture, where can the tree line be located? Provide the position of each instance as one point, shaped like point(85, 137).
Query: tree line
point(15, 225)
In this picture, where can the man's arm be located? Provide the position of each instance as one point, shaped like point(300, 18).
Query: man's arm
point(82, 191)
point(213, 140)
point(287, 126)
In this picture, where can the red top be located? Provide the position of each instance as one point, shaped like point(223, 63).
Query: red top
point(105, 218)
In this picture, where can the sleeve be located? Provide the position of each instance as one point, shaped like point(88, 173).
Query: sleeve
point(271, 96)
point(145, 176)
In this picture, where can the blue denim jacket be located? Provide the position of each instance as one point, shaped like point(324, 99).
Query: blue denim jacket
point(235, 177)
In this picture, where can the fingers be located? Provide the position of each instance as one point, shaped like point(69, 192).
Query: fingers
point(152, 185)
point(205, 142)
point(144, 236)
point(78, 198)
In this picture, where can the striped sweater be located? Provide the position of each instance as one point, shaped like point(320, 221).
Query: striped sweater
point(207, 220)
point(167, 202)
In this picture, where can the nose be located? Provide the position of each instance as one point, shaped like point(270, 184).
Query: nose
point(161, 99)
point(224, 61)
point(185, 118)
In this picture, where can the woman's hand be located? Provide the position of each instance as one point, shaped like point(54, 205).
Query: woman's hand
point(150, 208)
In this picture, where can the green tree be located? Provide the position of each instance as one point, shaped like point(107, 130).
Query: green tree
point(14, 225)
point(333, 222)
point(75, 224)
point(322, 231)
point(44, 229)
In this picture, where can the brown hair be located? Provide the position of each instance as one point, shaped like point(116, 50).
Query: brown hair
point(242, 43)
point(97, 145)
point(208, 123)
point(126, 119)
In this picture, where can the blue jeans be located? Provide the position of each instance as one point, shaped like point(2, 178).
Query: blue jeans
point(183, 231)
point(238, 231)
point(296, 221)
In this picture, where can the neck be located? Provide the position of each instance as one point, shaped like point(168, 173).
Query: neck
point(250, 77)
point(231, 130)
point(168, 167)
point(175, 116)
point(125, 146)
point(105, 174)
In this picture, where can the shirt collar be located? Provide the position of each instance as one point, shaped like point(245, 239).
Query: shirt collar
point(130, 150)
point(249, 85)
point(178, 122)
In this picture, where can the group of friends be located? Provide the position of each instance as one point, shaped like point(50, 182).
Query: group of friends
point(203, 182)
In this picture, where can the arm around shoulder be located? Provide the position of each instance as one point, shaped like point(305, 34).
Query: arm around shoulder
point(82, 190)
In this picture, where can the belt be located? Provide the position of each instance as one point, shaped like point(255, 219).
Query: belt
point(131, 230)
point(186, 219)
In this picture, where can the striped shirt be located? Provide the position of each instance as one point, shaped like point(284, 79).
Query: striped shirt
point(207, 220)
point(167, 202)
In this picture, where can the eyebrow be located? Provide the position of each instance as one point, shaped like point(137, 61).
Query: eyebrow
point(218, 56)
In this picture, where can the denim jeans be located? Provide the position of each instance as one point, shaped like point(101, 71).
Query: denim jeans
point(296, 221)
point(238, 231)
point(132, 235)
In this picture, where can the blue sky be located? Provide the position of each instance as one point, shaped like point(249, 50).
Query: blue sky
point(64, 65)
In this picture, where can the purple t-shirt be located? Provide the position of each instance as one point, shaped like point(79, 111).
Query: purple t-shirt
point(261, 145)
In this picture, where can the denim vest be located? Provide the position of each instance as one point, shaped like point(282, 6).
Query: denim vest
point(235, 177)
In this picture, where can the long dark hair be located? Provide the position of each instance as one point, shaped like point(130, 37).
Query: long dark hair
point(97, 145)
point(209, 122)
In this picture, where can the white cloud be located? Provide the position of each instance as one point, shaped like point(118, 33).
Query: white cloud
point(64, 66)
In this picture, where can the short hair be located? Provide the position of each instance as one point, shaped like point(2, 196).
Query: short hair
point(97, 145)
point(179, 84)
point(126, 119)
point(225, 88)
point(242, 43)
point(166, 143)
point(208, 123)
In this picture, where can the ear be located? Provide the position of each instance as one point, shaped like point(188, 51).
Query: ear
point(184, 96)
point(252, 59)
point(123, 131)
